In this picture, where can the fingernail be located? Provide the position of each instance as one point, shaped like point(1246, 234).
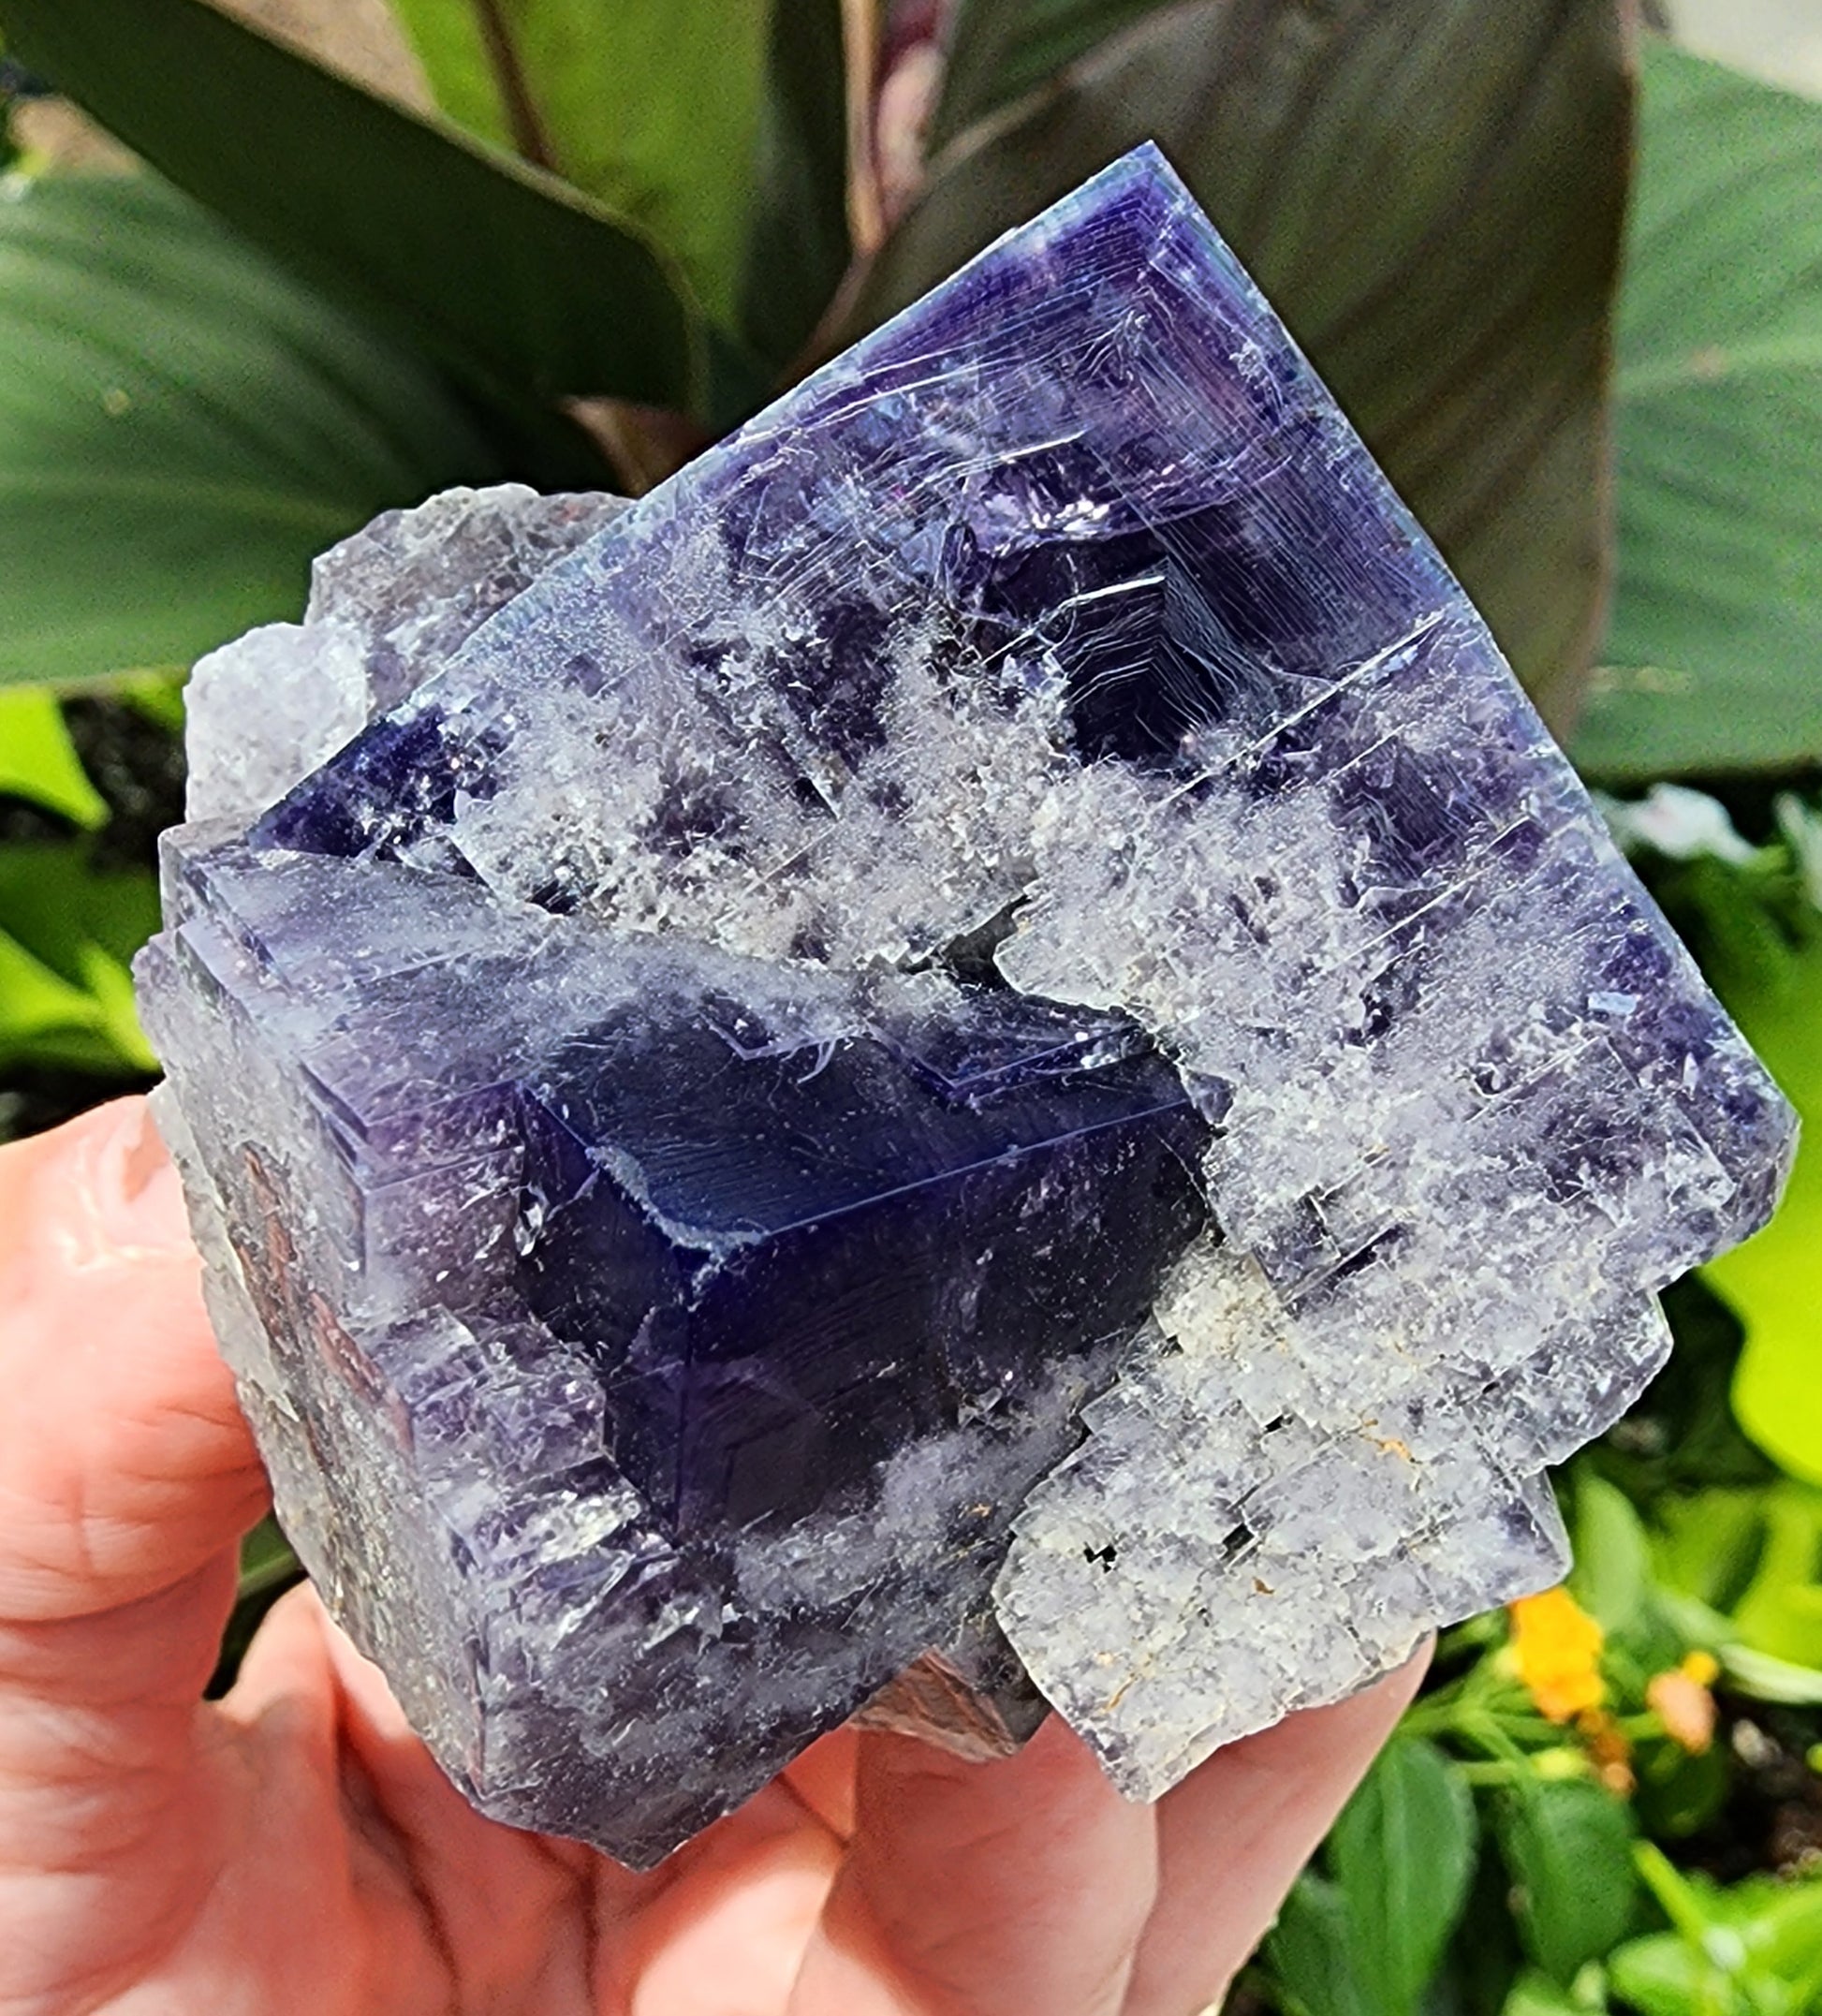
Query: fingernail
point(136, 1201)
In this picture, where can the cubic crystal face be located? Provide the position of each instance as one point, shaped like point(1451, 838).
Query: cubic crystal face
point(788, 1271)
point(985, 1032)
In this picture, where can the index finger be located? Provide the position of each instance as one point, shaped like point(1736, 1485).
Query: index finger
point(1233, 1836)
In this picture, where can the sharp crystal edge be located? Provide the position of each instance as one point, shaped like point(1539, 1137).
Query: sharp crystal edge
point(980, 1055)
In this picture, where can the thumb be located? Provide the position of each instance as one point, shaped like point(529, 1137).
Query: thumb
point(1019, 1888)
point(125, 1463)
point(126, 1475)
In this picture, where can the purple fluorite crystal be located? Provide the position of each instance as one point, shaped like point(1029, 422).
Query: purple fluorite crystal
point(985, 1029)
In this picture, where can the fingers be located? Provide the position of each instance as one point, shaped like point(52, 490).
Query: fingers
point(125, 1476)
point(399, 1889)
point(1013, 1889)
point(1232, 1837)
point(519, 1916)
point(822, 1779)
point(726, 1934)
point(722, 1927)
point(125, 1463)
point(520, 1920)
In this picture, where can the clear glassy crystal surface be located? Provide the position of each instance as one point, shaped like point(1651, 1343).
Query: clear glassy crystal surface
point(983, 1037)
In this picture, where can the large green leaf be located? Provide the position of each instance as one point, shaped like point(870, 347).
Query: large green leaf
point(999, 49)
point(797, 247)
point(1742, 1571)
point(1714, 658)
point(1402, 1853)
point(652, 105)
point(1567, 1846)
point(1774, 1281)
point(45, 1019)
point(502, 268)
point(1611, 1579)
point(1431, 192)
point(1311, 1953)
point(38, 762)
point(182, 427)
point(1781, 1612)
point(67, 932)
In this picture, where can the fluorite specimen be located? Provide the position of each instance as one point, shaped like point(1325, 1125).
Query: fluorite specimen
point(984, 1033)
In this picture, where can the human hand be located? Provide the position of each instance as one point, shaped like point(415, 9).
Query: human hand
point(292, 1848)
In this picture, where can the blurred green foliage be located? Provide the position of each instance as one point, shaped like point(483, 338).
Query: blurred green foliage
point(181, 426)
point(626, 226)
point(1710, 661)
point(69, 919)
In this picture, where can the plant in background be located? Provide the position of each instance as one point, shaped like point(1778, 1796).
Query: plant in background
point(74, 908)
point(571, 240)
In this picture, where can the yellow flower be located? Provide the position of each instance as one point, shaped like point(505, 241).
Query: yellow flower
point(1556, 1647)
point(1681, 1701)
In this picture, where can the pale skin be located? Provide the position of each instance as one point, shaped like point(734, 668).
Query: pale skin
point(293, 1848)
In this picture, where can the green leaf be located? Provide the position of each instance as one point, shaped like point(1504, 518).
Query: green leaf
point(38, 760)
point(797, 246)
point(109, 986)
point(182, 427)
point(1766, 1679)
point(655, 108)
point(268, 1568)
point(1431, 195)
point(999, 49)
point(266, 1559)
point(54, 902)
point(67, 932)
point(1483, 1962)
point(1717, 625)
point(157, 695)
point(1742, 1573)
point(1708, 1544)
point(1680, 1793)
point(1781, 1922)
point(1536, 1994)
point(36, 1005)
point(506, 272)
point(1402, 1854)
point(1612, 1556)
point(1755, 1946)
point(1567, 1846)
point(1663, 1975)
point(1311, 1954)
point(1780, 1613)
point(1774, 1281)
point(44, 1021)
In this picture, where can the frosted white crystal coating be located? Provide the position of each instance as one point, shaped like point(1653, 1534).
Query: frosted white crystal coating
point(386, 608)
